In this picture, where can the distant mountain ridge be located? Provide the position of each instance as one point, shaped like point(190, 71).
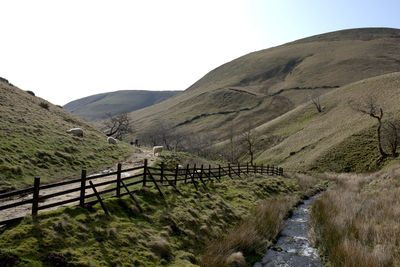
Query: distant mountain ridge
point(95, 107)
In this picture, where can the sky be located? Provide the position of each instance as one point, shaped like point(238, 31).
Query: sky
point(65, 50)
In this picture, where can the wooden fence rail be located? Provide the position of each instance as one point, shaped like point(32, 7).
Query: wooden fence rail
point(87, 190)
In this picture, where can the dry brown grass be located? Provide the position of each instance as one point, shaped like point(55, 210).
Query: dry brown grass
point(251, 236)
point(356, 223)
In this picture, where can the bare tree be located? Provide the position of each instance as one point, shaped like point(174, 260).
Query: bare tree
point(391, 135)
point(165, 134)
point(316, 101)
point(118, 125)
point(250, 139)
point(232, 150)
point(370, 107)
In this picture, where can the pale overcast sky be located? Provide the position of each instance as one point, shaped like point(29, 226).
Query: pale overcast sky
point(65, 50)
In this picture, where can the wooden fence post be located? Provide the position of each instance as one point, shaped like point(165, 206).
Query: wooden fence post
point(219, 171)
point(83, 185)
point(35, 200)
point(119, 167)
point(176, 173)
point(201, 171)
point(267, 169)
point(281, 171)
point(186, 173)
point(262, 168)
point(229, 170)
point(247, 167)
point(144, 172)
point(99, 198)
point(239, 168)
point(209, 172)
point(255, 168)
point(162, 173)
point(132, 196)
point(273, 170)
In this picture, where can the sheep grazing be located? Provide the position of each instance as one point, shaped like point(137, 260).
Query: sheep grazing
point(76, 132)
point(157, 150)
point(112, 140)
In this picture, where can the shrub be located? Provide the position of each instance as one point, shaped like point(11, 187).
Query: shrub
point(44, 105)
point(161, 248)
point(31, 93)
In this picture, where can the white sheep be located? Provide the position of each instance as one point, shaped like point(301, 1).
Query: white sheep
point(157, 150)
point(112, 140)
point(76, 132)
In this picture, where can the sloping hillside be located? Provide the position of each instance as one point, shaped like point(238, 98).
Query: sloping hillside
point(338, 139)
point(263, 85)
point(34, 141)
point(95, 107)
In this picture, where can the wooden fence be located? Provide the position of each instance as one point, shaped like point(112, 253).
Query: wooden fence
point(83, 191)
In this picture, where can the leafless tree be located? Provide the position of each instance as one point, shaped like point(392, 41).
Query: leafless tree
point(391, 135)
point(370, 107)
point(165, 134)
point(316, 101)
point(118, 125)
point(232, 150)
point(250, 139)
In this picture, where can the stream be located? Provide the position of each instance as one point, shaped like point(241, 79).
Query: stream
point(293, 247)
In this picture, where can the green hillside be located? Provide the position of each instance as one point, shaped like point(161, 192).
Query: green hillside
point(266, 84)
point(95, 107)
point(339, 138)
point(34, 141)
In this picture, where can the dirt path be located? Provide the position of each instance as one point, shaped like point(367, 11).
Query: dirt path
point(135, 160)
point(293, 248)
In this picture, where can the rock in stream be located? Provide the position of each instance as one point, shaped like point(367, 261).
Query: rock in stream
point(293, 247)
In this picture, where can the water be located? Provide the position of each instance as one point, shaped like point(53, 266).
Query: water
point(293, 249)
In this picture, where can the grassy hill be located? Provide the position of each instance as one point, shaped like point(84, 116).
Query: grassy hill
point(339, 138)
point(95, 107)
point(34, 141)
point(266, 84)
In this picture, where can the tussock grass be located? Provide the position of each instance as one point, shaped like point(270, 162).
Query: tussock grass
point(257, 231)
point(356, 223)
point(252, 235)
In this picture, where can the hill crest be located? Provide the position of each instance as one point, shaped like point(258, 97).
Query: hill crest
point(95, 107)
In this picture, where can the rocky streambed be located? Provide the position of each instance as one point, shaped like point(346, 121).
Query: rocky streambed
point(293, 247)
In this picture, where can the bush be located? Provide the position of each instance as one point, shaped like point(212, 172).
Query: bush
point(31, 93)
point(44, 105)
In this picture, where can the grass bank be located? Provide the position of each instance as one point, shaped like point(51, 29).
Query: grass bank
point(170, 232)
point(34, 141)
point(356, 222)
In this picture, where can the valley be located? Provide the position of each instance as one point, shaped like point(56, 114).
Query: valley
point(293, 155)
